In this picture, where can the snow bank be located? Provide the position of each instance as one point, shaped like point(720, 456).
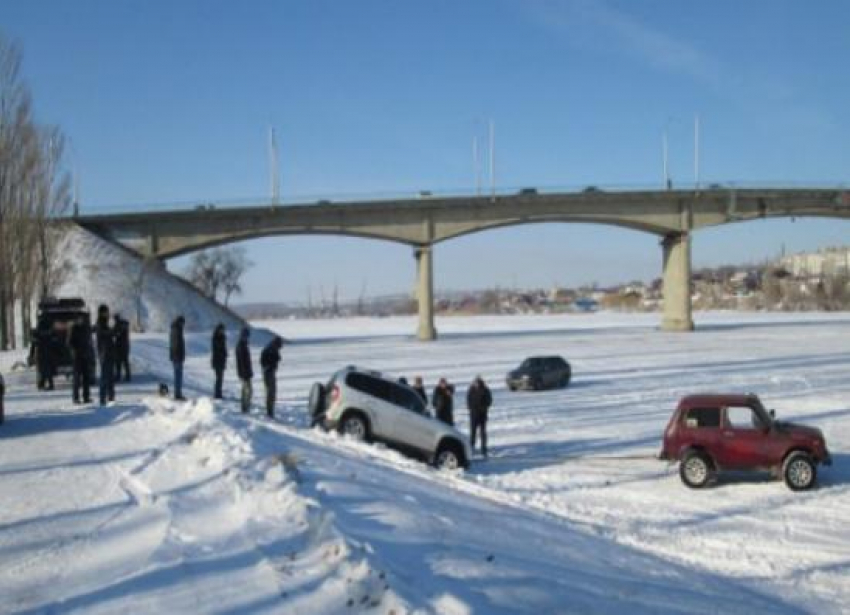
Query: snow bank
point(143, 292)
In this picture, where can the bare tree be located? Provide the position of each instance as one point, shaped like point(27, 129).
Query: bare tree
point(234, 264)
point(218, 269)
point(14, 114)
point(34, 193)
point(204, 272)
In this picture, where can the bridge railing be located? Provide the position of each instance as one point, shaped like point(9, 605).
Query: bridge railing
point(502, 191)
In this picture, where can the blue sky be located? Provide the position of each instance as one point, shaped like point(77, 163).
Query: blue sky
point(171, 102)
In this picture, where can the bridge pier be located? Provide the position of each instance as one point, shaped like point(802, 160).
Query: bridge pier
point(676, 283)
point(425, 293)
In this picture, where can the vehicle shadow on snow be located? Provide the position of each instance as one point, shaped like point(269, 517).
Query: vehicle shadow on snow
point(836, 475)
point(531, 456)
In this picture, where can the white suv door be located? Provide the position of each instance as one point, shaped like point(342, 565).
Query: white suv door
point(412, 425)
point(370, 395)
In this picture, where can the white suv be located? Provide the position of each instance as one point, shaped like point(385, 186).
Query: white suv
point(368, 405)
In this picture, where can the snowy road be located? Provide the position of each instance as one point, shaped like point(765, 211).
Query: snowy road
point(155, 507)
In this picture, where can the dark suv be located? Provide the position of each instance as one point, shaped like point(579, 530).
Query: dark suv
point(55, 318)
point(709, 433)
point(540, 373)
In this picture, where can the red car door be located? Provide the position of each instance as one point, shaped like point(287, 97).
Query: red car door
point(700, 427)
point(744, 441)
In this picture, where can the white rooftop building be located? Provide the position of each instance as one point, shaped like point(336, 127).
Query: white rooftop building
point(826, 262)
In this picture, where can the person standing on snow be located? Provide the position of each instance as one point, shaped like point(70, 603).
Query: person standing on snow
point(105, 336)
point(243, 368)
point(122, 348)
point(478, 400)
point(443, 402)
point(2, 395)
point(269, 360)
point(177, 354)
point(419, 387)
point(44, 351)
point(219, 357)
point(79, 339)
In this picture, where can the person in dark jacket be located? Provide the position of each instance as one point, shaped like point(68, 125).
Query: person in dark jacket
point(419, 387)
point(79, 340)
point(443, 402)
point(219, 357)
point(122, 348)
point(243, 367)
point(269, 360)
point(177, 354)
point(105, 336)
point(2, 395)
point(478, 400)
point(45, 355)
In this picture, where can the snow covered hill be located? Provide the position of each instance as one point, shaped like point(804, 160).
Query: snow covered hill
point(143, 292)
point(153, 506)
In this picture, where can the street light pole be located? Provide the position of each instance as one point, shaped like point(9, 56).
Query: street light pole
point(273, 168)
point(696, 151)
point(492, 160)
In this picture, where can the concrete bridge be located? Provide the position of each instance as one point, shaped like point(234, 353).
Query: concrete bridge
point(422, 222)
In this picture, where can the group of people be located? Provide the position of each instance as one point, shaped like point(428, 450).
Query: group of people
point(478, 401)
point(111, 351)
point(113, 354)
point(269, 362)
point(48, 349)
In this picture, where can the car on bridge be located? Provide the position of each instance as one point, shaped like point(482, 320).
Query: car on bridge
point(369, 406)
point(711, 433)
point(536, 373)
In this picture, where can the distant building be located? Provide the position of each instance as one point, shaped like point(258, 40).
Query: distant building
point(823, 263)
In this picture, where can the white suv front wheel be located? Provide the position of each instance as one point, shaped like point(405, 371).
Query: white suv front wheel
point(449, 456)
point(354, 425)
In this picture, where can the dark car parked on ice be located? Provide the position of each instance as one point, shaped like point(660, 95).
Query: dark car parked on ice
point(710, 433)
point(537, 373)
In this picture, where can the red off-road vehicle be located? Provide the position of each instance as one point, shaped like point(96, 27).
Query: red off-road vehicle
point(710, 433)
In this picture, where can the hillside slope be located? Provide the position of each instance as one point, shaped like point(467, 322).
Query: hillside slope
point(143, 292)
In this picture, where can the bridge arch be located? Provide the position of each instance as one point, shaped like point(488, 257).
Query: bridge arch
point(208, 243)
point(421, 223)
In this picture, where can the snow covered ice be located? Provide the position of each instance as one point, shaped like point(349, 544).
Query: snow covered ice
point(155, 506)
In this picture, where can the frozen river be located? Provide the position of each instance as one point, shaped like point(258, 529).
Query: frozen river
point(150, 505)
